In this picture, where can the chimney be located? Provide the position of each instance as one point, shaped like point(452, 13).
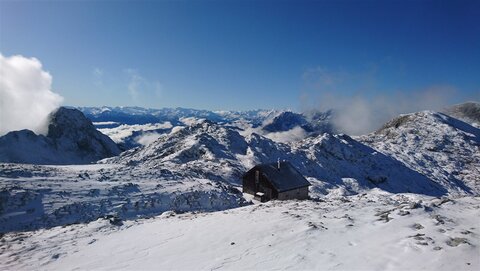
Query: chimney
point(278, 163)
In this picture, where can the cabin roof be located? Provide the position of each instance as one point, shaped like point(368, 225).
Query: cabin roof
point(284, 178)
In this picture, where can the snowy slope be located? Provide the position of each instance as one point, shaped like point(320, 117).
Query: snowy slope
point(203, 150)
point(342, 162)
point(425, 153)
point(442, 148)
point(34, 196)
point(402, 198)
point(71, 139)
point(374, 231)
point(212, 151)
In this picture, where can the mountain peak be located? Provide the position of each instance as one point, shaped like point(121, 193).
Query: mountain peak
point(71, 139)
point(66, 121)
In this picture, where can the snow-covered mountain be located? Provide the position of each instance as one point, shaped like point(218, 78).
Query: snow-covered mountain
point(128, 125)
point(71, 139)
point(404, 197)
point(442, 148)
point(332, 162)
point(321, 121)
point(286, 121)
point(198, 166)
point(139, 115)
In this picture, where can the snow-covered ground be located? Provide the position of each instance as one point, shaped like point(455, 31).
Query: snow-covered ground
point(33, 197)
point(405, 197)
point(372, 231)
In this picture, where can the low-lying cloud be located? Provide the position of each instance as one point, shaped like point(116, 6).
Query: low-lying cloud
point(359, 103)
point(359, 115)
point(294, 134)
point(147, 138)
point(26, 98)
point(120, 133)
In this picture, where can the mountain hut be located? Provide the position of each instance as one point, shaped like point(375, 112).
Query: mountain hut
point(279, 180)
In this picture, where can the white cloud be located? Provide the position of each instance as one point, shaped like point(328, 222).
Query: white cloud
point(190, 121)
point(120, 133)
point(360, 105)
point(360, 114)
point(26, 98)
point(147, 138)
point(294, 134)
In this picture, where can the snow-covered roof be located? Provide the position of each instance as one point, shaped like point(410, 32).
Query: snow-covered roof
point(284, 178)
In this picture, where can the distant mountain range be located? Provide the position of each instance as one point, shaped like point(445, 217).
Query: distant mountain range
point(139, 115)
point(117, 122)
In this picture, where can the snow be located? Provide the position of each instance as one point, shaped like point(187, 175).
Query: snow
point(403, 198)
point(33, 196)
point(441, 148)
point(280, 126)
point(220, 153)
point(374, 231)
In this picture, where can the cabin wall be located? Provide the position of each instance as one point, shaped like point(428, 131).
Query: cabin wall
point(248, 183)
point(299, 193)
point(249, 186)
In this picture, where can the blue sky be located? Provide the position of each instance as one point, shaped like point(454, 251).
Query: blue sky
point(246, 54)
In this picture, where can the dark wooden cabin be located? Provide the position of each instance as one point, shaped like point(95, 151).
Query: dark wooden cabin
point(275, 181)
